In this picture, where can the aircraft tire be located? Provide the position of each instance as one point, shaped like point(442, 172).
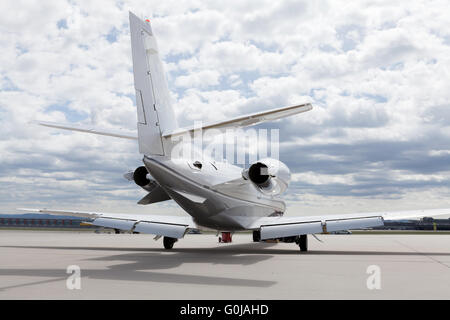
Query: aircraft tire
point(168, 242)
point(303, 242)
point(256, 236)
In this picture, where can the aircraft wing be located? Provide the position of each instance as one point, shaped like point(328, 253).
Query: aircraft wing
point(89, 129)
point(278, 227)
point(245, 120)
point(168, 226)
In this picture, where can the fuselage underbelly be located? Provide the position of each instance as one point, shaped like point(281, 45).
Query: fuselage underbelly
point(209, 206)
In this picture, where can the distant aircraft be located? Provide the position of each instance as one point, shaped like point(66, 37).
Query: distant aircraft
point(216, 195)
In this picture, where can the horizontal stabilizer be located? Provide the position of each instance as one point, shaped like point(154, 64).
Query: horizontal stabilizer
point(244, 121)
point(89, 129)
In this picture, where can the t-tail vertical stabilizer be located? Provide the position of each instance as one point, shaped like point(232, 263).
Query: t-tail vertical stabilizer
point(154, 110)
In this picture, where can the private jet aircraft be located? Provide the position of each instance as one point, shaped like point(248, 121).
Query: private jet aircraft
point(216, 195)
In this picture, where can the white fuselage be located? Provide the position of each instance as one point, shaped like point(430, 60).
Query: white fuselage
point(215, 195)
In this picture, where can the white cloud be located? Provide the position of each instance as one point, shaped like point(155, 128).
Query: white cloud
point(200, 79)
point(377, 73)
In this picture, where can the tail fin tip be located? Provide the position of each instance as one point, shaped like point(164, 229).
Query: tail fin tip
point(154, 109)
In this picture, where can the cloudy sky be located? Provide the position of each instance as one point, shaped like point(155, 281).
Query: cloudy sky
point(377, 73)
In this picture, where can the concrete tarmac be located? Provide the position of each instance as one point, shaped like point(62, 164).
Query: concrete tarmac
point(33, 265)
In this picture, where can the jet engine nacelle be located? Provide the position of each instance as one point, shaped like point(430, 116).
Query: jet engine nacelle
point(142, 178)
point(269, 175)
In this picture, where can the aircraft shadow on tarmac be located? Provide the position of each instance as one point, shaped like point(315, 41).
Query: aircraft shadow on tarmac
point(137, 264)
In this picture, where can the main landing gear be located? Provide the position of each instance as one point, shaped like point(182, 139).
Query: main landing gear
point(168, 242)
point(256, 236)
point(302, 242)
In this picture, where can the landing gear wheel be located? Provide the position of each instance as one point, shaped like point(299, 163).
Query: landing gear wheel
point(168, 242)
point(256, 236)
point(303, 242)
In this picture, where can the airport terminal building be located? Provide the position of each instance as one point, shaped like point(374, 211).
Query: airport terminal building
point(31, 220)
